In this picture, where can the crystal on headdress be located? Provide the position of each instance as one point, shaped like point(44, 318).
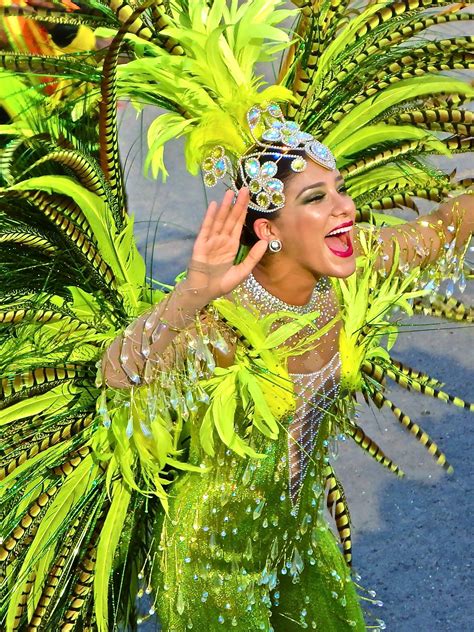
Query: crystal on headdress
point(254, 186)
point(218, 152)
point(298, 164)
point(320, 154)
point(274, 185)
point(253, 116)
point(220, 168)
point(269, 169)
point(274, 110)
point(291, 140)
point(252, 167)
point(272, 134)
point(278, 199)
point(210, 180)
point(263, 200)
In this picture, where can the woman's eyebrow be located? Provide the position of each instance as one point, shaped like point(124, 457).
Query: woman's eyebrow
point(311, 186)
point(317, 184)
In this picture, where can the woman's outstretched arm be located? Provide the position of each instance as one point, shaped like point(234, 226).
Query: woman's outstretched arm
point(211, 274)
point(147, 338)
point(424, 240)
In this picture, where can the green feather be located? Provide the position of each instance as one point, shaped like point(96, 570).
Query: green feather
point(408, 89)
point(119, 251)
point(337, 46)
point(261, 406)
point(161, 130)
point(108, 542)
point(53, 401)
point(388, 176)
point(370, 135)
point(50, 528)
point(17, 97)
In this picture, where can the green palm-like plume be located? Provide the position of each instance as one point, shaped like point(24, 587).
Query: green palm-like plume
point(61, 214)
point(355, 79)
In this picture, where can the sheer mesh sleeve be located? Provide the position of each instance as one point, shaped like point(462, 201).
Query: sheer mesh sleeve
point(151, 346)
point(428, 239)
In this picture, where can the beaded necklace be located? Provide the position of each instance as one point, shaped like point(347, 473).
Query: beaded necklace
point(317, 302)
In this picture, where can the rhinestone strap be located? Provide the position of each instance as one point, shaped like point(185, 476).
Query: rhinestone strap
point(316, 392)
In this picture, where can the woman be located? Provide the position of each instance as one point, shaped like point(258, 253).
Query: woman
point(85, 467)
point(246, 544)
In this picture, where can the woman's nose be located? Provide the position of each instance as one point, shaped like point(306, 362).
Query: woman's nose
point(343, 204)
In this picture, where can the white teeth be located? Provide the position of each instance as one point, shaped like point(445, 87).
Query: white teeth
point(339, 231)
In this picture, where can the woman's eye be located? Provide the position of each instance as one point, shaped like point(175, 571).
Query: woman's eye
point(315, 198)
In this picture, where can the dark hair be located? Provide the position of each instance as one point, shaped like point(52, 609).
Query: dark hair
point(284, 173)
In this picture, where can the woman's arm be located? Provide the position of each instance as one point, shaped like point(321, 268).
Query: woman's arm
point(211, 273)
point(424, 240)
point(149, 336)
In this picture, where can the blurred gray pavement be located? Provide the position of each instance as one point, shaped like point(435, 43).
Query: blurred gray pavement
point(412, 537)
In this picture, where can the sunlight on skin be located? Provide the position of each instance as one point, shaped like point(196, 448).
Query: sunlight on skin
point(316, 205)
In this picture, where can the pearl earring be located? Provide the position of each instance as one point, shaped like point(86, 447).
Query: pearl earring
point(274, 245)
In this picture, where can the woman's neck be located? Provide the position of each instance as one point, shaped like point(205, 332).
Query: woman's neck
point(293, 286)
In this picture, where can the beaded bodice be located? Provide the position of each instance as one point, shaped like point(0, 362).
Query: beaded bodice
point(315, 390)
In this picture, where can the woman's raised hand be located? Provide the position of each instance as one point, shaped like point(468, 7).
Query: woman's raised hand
point(211, 271)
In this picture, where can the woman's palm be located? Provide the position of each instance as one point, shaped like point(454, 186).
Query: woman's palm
point(216, 246)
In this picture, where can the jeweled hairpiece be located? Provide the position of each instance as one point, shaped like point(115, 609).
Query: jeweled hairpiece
point(257, 170)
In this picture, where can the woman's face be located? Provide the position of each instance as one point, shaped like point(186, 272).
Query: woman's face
point(316, 225)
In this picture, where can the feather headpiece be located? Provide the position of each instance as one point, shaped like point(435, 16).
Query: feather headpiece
point(210, 86)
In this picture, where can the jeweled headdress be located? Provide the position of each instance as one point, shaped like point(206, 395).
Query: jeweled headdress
point(257, 168)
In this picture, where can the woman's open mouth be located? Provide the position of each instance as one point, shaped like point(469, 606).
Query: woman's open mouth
point(339, 240)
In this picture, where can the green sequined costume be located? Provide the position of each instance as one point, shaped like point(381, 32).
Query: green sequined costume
point(238, 554)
